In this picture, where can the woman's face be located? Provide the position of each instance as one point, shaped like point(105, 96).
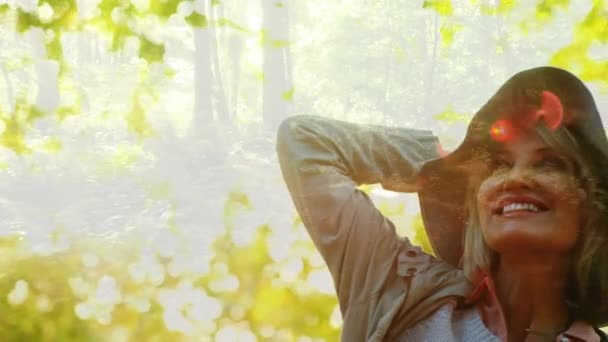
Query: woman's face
point(530, 198)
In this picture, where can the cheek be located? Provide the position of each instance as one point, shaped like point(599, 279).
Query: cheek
point(570, 205)
point(565, 190)
point(484, 192)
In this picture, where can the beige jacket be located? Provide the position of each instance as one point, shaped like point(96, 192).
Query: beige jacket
point(384, 284)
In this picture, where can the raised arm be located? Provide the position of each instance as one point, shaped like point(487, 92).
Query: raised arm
point(381, 280)
point(323, 161)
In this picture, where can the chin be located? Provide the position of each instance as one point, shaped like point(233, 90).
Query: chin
point(530, 241)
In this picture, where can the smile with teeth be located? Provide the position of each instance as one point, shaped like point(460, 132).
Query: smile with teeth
point(520, 207)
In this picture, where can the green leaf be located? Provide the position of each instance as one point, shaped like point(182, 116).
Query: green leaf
point(13, 136)
point(65, 111)
point(223, 22)
point(503, 8)
point(443, 7)
point(421, 238)
point(288, 95)
point(163, 8)
point(265, 40)
point(52, 145)
point(119, 36)
point(448, 31)
point(26, 20)
point(449, 116)
point(32, 114)
point(197, 20)
point(136, 119)
point(54, 48)
point(150, 51)
point(546, 8)
point(4, 8)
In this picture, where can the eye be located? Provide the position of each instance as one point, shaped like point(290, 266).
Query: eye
point(553, 162)
point(499, 162)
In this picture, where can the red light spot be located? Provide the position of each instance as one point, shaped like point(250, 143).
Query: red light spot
point(551, 111)
point(502, 131)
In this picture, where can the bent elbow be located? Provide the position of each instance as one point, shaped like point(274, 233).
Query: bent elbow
point(286, 136)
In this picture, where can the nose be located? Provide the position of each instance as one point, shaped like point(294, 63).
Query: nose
point(518, 177)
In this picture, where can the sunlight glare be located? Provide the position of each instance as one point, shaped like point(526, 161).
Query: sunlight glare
point(234, 334)
point(19, 293)
point(321, 281)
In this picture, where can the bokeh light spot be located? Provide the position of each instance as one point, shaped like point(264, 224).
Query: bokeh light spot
point(502, 131)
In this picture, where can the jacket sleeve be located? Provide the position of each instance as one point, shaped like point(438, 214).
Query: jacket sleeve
point(384, 284)
point(323, 161)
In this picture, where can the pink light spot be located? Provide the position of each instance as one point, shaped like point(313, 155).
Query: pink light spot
point(502, 131)
point(551, 111)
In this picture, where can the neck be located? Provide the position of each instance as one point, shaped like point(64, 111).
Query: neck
point(532, 291)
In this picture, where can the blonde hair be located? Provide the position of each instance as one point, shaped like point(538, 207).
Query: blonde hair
point(588, 269)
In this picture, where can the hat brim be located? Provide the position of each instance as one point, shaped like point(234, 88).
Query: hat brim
point(442, 200)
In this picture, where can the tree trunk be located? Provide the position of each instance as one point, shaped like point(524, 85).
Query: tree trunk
point(219, 95)
point(10, 97)
point(202, 117)
point(428, 96)
point(277, 87)
point(235, 50)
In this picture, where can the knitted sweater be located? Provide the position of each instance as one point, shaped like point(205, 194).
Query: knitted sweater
point(450, 324)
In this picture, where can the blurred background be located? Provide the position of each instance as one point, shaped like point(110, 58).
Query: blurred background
point(140, 195)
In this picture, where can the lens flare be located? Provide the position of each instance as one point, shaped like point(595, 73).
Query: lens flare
point(502, 131)
point(551, 111)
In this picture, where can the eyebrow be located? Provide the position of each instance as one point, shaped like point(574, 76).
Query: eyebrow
point(500, 150)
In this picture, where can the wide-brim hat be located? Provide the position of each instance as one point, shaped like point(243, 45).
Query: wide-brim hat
point(442, 195)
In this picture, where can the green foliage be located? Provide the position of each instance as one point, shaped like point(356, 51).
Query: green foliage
point(267, 41)
point(545, 9)
point(17, 124)
point(150, 51)
point(443, 7)
point(225, 22)
point(136, 120)
point(164, 8)
point(288, 95)
point(54, 50)
point(197, 20)
point(448, 31)
point(63, 18)
point(66, 111)
point(592, 30)
point(93, 291)
point(13, 136)
point(420, 237)
point(503, 8)
point(450, 116)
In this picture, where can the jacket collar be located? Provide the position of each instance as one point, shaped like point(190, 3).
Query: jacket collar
point(484, 297)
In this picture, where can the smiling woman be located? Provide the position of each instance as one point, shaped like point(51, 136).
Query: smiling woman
point(516, 216)
point(531, 197)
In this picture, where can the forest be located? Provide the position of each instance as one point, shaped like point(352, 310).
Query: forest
point(140, 193)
